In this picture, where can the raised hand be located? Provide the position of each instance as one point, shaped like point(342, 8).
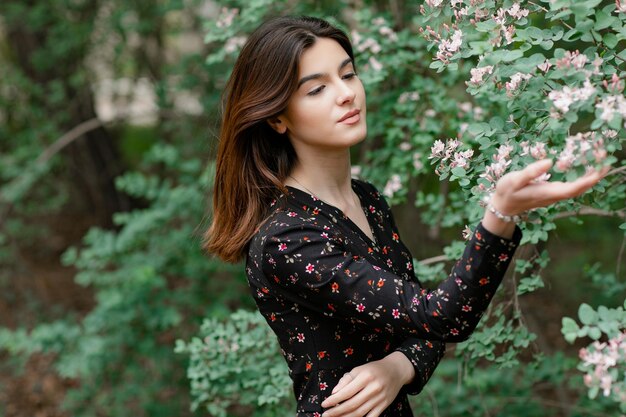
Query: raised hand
point(520, 191)
point(367, 390)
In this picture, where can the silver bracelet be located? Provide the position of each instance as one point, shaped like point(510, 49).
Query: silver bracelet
point(516, 218)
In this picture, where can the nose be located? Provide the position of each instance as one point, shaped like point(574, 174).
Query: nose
point(346, 94)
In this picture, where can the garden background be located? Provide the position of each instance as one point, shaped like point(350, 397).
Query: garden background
point(109, 116)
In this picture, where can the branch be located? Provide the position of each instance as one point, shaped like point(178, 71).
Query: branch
point(616, 170)
point(585, 210)
point(556, 404)
point(434, 260)
point(68, 138)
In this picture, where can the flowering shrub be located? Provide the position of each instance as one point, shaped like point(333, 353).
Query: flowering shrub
point(604, 363)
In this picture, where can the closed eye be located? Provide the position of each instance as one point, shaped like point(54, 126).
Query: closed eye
point(316, 90)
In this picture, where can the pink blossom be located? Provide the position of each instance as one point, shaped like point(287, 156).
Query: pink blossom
point(496, 169)
point(408, 96)
point(564, 98)
point(375, 64)
point(508, 31)
point(389, 33)
point(610, 105)
point(479, 73)
point(226, 18)
point(517, 12)
point(405, 146)
point(581, 149)
point(437, 149)
point(461, 159)
point(369, 43)
point(393, 186)
point(538, 151)
point(434, 3)
point(447, 47)
point(234, 44)
point(545, 66)
point(516, 80)
point(574, 59)
point(599, 360)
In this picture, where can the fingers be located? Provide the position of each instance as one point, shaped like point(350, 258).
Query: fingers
point(345, 380)
point(533, 171)
point(346, 388)
point(360, 404)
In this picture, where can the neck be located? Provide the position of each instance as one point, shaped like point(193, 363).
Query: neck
point(327, 177)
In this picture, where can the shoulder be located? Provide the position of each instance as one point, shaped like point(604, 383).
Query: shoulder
point(287, 222)
point(371, 192)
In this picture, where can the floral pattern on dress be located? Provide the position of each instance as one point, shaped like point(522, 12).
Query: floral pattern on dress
point(337, 299)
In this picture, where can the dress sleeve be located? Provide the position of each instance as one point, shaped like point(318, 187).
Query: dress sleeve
point(425, 355)
point(314, 269)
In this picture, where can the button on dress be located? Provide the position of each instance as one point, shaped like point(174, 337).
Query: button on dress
point(337, 299)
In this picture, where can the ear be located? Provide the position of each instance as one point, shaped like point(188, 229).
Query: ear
point(278, 124)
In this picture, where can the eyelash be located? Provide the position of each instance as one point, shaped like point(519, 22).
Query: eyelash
point(319, 89)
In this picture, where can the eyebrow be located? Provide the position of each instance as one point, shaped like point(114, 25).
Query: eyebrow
point(320, 75)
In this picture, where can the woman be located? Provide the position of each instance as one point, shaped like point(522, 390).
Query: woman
point(324, 259)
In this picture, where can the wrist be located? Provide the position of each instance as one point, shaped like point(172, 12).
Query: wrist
point(497, 226)
point(403, 368)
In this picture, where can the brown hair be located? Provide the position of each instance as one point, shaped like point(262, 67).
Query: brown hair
point(253, 159)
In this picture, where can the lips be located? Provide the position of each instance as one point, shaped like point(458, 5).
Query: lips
point(349, 114)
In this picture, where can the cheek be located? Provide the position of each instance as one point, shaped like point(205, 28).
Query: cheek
point(309, 114)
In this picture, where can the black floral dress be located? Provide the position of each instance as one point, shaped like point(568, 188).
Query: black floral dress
point(336, 299)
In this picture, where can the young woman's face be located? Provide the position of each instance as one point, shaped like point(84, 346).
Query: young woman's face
point(327, 109)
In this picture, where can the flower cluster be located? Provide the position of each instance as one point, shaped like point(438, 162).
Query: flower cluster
point(563, 99)
point(516, 81)
point(385, 30)
point(450, 152)
point(604, 364)
point(610, 105)
point(479, 73)
point(368, 44)
point(537, 150)
point(393, 186)
point(581, 149)
point(494, 171)
point(448, 47)
point(226, 18)
point(234, 44)
point(515, 12)
point(408, 96)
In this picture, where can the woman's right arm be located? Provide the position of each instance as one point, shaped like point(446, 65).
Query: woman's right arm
point(313, 269)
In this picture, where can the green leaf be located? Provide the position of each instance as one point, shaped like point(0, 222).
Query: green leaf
point(459, 172)
point(595, 333)
point(603, 20)
point(587, 314)
point(569, 326)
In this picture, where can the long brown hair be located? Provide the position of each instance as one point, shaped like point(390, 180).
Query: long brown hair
point(253, 159)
